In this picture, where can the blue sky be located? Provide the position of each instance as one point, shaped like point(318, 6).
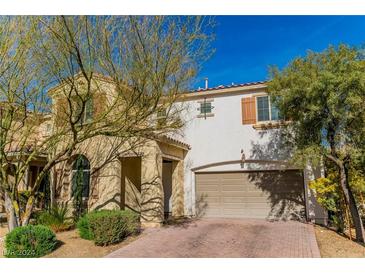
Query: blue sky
point(247, 45)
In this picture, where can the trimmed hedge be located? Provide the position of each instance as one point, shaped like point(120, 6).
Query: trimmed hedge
point(108, 226)
point(31, 241)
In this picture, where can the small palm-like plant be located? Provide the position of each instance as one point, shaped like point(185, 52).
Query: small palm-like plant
point(57, 218)
point(60, 211)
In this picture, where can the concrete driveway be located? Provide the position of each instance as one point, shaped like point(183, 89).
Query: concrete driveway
point(224, 238)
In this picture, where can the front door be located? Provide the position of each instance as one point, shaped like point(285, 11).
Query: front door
point(167, 186)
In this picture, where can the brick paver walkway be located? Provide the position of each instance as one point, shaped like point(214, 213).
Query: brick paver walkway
point(225, 238)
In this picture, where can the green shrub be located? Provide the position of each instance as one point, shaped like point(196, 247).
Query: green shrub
point(84, 227)
point(30, 241)
point(108, 226)
point(56, 218)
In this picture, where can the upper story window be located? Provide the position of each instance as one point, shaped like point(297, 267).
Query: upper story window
point(161, 114)
point(161, 117)
point(48, 129)
point(206, 109)
point(86, 113)
point(266, 110)
point(260, 111)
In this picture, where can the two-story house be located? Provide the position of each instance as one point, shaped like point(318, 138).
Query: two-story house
point(228, 161)
point(237, 165)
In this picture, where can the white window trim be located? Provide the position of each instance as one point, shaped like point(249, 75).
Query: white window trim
point(257, 111)
point(208, 114)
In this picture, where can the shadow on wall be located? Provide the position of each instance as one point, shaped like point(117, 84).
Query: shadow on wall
point(274, 149)
point(151, 203)
point(115, 200)
point(152, 199)
point(201, 205)
point(62, 187)
point(285, 193)
point(285, 190)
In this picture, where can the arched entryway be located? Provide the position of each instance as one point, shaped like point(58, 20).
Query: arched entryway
point(80, 184)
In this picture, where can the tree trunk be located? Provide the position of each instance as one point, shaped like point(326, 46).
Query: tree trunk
point(348, 221)
point(10, 213)
point(350, 200)
point(28, 210)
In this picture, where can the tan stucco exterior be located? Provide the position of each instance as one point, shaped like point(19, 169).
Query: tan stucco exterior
point(130, 175)
point(120, 185)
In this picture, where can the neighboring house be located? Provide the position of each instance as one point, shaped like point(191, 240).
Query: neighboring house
point(139, 178)
point(228, 162)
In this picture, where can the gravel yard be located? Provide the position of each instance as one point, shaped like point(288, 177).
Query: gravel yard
point(72, 246)
point(334, 245)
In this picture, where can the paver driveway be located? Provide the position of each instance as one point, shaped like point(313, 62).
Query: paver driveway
point(225, 238)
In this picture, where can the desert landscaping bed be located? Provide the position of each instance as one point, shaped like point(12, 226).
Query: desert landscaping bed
point(72, 246)
point(333, 245)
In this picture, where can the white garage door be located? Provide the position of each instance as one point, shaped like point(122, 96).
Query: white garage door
point(264, 194)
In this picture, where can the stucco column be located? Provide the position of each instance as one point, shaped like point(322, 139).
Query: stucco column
point(178, 189)
point(152, 196)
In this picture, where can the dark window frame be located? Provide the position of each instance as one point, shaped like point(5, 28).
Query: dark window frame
point(81, 167)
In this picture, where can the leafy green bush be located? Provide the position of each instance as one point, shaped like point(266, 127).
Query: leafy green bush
point(108, 226)
point(30, 241)
point(327, 193)
point(84, 227)
point(56, 218)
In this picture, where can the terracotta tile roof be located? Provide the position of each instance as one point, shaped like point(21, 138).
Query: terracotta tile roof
point(170, 139)
point(229, 86)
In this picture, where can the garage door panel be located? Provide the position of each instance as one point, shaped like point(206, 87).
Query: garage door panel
point(236, 187)
point(206, 176)
point(207, 188)
point(242, 199)
point(213, 200)
point(227, 176)
point(252, 188)
point(243, 194)
point(244, 206)
point(263, 205)
point(250, 194)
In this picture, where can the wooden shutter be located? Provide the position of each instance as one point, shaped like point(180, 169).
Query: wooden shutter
point(61, 109)
point(248, 110)
point(99, 104)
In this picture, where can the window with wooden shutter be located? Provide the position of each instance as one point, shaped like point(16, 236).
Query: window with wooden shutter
point(99, 103)
point(248, 111)
point(61, 109)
